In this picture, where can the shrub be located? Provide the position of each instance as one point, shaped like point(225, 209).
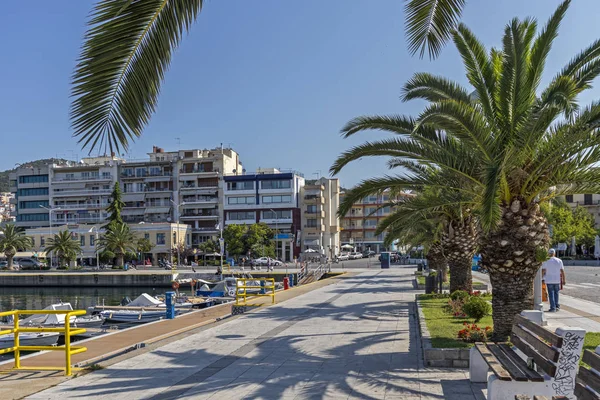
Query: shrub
point(477, 308)
point(460, 295)
point(473, 333)
point(117, 267)
point(62, 267)
point(455, 307)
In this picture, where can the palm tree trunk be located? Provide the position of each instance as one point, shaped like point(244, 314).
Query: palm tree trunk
point(510, 255)
point(437, 261)
point(120, 258)
point(9, 260)
point(459, 245)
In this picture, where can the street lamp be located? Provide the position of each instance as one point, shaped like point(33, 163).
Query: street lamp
point(276, 237)
point(96, 245)
point(177, 235)
point(50, 209)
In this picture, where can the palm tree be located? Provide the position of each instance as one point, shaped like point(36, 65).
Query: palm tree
point(119, 241)
point(64, 246)
point(12, 240)
point(517, 145)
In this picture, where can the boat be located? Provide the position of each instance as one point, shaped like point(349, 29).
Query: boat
point(29, 339)
point(58, 320)
point(133, 316)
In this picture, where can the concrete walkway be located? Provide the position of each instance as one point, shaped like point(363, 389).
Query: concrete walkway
point(356, 338)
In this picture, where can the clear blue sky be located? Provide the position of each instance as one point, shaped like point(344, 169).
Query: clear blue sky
point(276, 79)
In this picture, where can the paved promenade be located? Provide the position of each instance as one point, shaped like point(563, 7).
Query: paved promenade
point(352, 339)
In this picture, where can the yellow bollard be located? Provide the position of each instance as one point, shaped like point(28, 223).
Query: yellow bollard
point(17, 344)
point(68, 344)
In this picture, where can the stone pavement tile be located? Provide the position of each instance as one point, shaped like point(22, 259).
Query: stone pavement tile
point(207, 388)
point(323, 390)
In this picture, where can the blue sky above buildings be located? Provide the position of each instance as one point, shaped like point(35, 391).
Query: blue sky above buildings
point(274, 79)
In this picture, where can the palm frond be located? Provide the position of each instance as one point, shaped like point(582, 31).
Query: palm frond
point(117, 80)
point(434, 88)
point(429, 24)
point(398, 124)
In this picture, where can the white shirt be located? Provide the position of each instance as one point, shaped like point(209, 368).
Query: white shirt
point(553, 267)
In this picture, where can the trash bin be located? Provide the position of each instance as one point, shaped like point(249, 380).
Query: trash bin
point(420, 267)
point(430, 283)
point(170, 305)
point(286, 283)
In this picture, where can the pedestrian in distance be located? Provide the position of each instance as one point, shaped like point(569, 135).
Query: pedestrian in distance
point(553, 274)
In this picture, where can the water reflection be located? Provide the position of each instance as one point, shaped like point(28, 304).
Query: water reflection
point(80, 298)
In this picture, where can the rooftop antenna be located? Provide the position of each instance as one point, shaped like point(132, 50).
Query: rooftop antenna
point(318, 174)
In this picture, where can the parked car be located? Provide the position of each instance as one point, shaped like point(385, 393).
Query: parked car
point(29, 263)
point(368, 253)
point(4, 265)
point(355, 255)
point(343, 257)
point(267, 261)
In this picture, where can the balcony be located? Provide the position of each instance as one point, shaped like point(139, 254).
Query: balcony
point(314, 199)
point(97, 178)
point(315, 214)
point(84, 206)
point(200, 200)
point(314, 229)
point(202, 186)
point(78, 220)
point(199, 215)
point(80, 192)
point(240, 221)
point(198, 171)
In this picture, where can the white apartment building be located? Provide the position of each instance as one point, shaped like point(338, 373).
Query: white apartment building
point(31, 188)
point(320, 222)
point(270, 196)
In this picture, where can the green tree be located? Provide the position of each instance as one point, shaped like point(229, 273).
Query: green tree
point(234, 239)
point(114, 208)
point(568, 223)
point(12, 240)
point(64, 246)
point(144, 245)
point(258, 240)
point(119, 241)
point(519, 145)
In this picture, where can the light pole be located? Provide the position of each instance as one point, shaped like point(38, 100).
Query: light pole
point(49, 209)
point(177, 235)
point(96, 245)
point(276, 237)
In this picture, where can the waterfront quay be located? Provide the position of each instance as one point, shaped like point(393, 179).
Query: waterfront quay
point(351, 336)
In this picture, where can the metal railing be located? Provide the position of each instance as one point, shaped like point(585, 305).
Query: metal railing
point(67, 330)
point(265, 284)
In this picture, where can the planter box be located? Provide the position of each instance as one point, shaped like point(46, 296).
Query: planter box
point(433, 357)
point(476, 286)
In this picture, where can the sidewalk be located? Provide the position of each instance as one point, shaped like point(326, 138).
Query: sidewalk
point(356, 338)
point(574, 312)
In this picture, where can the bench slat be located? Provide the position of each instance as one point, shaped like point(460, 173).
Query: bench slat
point(493, 362)
point(584, 393)
point(532, 340)
point(513, 369)
point(532, 375)
point(522, 397)
point(540, 398)
point(545, 334)
point(592, 359)
point(589, 378)
point(546, 365)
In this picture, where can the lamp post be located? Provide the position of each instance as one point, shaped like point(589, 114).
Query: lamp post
point(96, 245)
point(177, 235)
point(49, 209)
point(276, 237)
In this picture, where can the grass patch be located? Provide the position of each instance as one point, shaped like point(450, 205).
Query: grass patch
point(592, 340)
point(420, 280)
point(442, 326)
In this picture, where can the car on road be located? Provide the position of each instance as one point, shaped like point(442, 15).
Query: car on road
point(355, 255)
point(368, 253)
point(29, 263)
point(267, 261)
point(343, 257)
point(4, 265)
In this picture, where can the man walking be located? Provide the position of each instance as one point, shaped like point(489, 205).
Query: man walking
point(553, 273)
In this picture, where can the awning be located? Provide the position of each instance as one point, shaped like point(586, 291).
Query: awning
point(133, 197)
point(157, 210)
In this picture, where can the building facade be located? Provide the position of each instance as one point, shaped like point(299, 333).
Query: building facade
point(320, 222)
point(31, 188)
point(270, 196)
point(360, 223)
point(591, 202)
point(7, 207)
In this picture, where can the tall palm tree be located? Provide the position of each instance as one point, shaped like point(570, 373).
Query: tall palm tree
point(118, 240)
point(64, 246)
point(13, 239)
point(525, 145)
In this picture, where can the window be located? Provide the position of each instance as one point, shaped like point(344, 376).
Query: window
point(33, 192)
point(277, 199)
point(33, 204)
point(69, 177)
point(85, 175)
point(155, 171)
point(278, 214)
point(371, 222)
point(386, 210)
point(245, 185)
point(369, 235)
point(311, 209)
point(125, 172)
point(140, 187)
point(588, 199)
point(106, 175)
point(92, 240)
point(82, 240)
point(33, 179)
point(95, 174)
point(105, 187)
point(160, 238)
point(241, 200)
point(139, 172)
point(32, 217)
point(276, 184)
point(370, 210)
point(42, 241)
point(241, 215)
point(147, 236)
point(311, 223)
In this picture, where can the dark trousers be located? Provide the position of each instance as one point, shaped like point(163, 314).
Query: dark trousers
point(553, 289)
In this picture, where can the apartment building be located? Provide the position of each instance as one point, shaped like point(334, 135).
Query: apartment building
point(271, 196)
point(320, 222)
point(31, 188)
point(360, 223)
point(163, 236)
point(591, 202)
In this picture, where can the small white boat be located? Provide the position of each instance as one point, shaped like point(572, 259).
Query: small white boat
point(58, 320)
point(29, 339)
point(133, 316)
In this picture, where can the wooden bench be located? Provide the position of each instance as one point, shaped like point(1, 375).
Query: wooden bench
point(526, 397)
point(541, 363)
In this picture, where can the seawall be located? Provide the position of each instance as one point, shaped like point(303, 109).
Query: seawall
point(86, 279)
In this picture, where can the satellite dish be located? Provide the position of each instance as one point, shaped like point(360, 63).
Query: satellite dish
point(168, 219)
